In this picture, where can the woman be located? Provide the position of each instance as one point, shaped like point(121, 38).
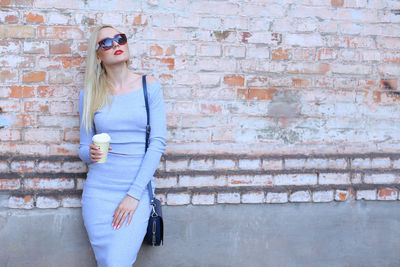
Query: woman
point(115, 199)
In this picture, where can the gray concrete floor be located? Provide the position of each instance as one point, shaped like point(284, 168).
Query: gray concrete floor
point(354, 233)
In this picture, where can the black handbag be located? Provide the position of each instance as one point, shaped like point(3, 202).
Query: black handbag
point(155, 228)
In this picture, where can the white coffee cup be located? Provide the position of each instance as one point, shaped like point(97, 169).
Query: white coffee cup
point(103, 141)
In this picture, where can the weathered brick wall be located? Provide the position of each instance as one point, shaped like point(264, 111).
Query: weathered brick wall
point(267, 101)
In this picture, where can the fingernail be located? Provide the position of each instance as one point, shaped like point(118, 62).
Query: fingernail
point(118, 226)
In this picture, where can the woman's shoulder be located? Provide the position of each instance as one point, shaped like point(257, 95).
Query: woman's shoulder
point(153, 83)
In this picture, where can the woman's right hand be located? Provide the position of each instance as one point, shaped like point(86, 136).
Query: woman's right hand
point(95, 152)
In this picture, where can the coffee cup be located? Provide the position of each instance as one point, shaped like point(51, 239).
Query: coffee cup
point(103, 141)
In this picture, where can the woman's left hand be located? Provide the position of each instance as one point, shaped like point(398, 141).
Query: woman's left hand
point(127, 206)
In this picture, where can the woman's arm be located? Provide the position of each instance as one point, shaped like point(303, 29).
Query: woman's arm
point(85, 138)
point(157, 139)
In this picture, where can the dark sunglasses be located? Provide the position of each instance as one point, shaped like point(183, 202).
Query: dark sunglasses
point(108, 43)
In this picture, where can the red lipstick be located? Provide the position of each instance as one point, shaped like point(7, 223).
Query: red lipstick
point(118, 52)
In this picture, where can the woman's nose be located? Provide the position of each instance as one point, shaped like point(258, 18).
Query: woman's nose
point(115, 43)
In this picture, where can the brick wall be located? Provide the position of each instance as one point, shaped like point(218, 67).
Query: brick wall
point(267, 101)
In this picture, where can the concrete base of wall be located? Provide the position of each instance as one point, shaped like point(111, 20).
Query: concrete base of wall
point(352, 233)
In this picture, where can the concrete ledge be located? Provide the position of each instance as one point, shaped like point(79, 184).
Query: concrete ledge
point(351, 233)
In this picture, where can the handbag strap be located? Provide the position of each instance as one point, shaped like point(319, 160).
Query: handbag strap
point(147, 131)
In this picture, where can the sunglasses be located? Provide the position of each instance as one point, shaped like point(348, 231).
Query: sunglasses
point(108, 43)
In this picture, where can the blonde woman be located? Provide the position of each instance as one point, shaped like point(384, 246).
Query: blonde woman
point(115, 199)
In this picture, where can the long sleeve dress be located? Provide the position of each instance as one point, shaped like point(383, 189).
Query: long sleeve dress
point(108, 183)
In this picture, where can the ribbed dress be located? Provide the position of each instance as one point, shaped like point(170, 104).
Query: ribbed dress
point(108, 183)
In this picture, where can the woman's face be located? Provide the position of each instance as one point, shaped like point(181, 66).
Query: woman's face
point(117, 54)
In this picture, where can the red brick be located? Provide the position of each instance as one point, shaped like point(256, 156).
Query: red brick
point(258, 94)
point(5, 3)
point(61, 47)
point(37, 76)
point(300, 82)
point(11, 19)
point(234, 80)
point(387, 194)
point(34, 18)
point(211, 108)
point(22, 91)
point(337, 3)
point(280, 53)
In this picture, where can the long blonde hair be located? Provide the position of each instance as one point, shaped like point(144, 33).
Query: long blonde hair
point(96, 83)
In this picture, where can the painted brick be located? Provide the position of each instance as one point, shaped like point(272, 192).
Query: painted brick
point(270, 164)
point(4, 166)
point(47, 202)
point(71, 202)
point(224, 164)
point(203, 199)
point(22, 166)
point(249, 164)
point(17, 31)
point(74, 167)
point(322, 196)
point(21, 202)
point(381, 178)
point(10, 135)
point(80, 182)
point(178, 198)
point(334, 178)
point(275, 197)
point(166, 182)
point(295, 163)
point(245, 180)
point(380, 163)
point(200, 164)
point(253, 197)
point(49, 166)
point(223, 197)
point(42, 136)
point(295, 179)
point(36, 47)
point(48, 183)
point(300, 196)
point(342, 195)
point(387, 194)
point(356, 178)
point(366, 194)
point(197, 181)
point(9, 184)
